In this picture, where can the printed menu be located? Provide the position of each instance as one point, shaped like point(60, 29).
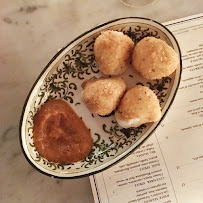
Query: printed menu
point(168, 167)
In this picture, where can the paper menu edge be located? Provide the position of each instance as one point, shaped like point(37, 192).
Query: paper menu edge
point(94, 189)
point(182, 19)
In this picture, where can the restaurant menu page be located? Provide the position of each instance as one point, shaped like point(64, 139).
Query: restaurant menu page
point(168, 167)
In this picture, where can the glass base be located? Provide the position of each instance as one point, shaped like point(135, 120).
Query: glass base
point(135, 3)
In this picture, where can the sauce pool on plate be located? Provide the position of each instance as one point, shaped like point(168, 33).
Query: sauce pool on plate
point(59, 134)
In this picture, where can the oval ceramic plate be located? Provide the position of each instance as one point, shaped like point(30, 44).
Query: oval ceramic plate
point(62, 78)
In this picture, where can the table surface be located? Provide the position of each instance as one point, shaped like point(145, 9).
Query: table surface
point(31, 32)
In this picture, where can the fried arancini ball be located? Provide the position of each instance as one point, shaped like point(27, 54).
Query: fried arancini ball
point(138, 106)
point(102, 96)
point(113, 51)
point(153, 58)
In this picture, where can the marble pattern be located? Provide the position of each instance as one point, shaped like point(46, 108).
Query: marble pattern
point(30, 34)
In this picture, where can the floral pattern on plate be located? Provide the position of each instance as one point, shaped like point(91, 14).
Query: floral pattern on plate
point(63, 77)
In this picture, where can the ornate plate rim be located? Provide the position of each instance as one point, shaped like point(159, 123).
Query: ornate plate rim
point(52, 60)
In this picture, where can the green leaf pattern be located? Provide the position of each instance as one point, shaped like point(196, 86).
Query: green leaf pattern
point(79, 63)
